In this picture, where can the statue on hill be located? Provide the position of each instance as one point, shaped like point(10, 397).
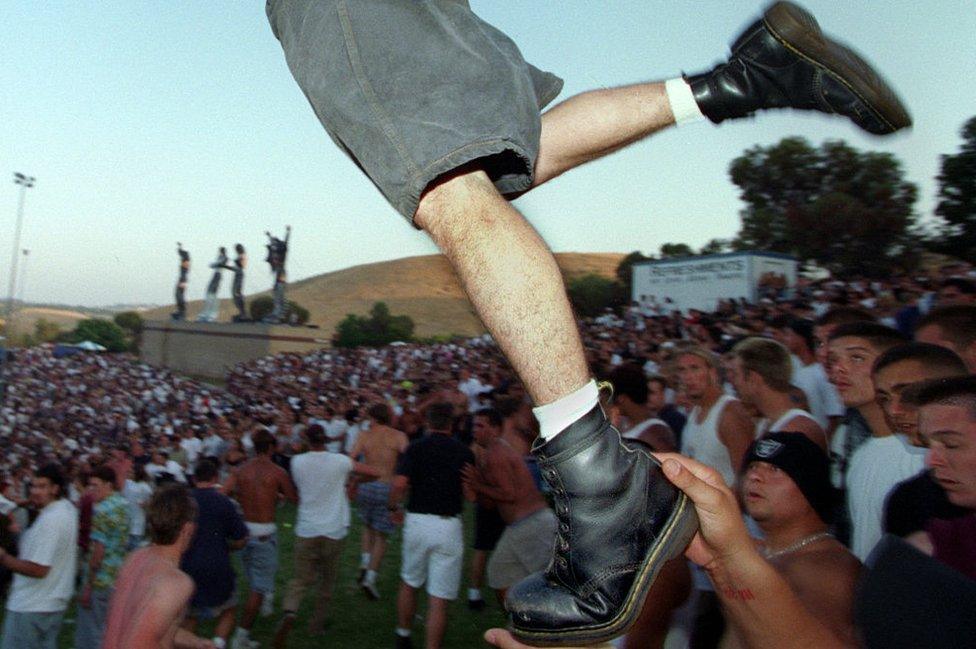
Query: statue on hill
point(180, 313)
point(211, 305)
point(277, 252)
point(237, 287)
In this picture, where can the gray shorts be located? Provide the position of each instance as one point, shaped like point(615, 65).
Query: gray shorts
point(524, 547)
point(411, 90)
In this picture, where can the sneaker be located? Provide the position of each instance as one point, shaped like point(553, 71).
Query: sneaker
point(476, 604)
point(370, 590)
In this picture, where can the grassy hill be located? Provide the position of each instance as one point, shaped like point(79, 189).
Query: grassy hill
point(424, 288)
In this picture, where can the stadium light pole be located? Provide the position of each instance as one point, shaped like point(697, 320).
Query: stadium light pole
point(25, 182)
point(23, 276)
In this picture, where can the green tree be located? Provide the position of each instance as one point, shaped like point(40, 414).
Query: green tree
point(130, 321)
point(98, 330)
point(848, 210)
point(380, 328)
point(625, 273)
point(591, 294)
point(669, 250)
point(715, 247)
point(45, 331)
point(264, 305)
point(957, 196)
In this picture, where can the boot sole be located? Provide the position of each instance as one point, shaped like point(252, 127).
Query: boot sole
point(677, 533)
point(799, 32)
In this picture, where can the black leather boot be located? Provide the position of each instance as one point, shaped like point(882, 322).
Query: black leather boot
point(620, 520)
point(784, 60)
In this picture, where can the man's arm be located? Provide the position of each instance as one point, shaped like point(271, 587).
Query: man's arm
point(286, 487)
point(365, 472)
point(495, 482)
point(736, 431)
point(23, 567)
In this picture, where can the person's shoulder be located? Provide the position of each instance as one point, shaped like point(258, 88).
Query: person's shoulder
point(831, 563)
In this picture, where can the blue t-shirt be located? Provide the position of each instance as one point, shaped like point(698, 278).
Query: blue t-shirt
point(207, 560)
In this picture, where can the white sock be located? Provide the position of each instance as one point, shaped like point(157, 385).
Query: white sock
point(474, 593)
point(370, 577)
point(243, 633)
point(557, 416)
point(220, 643)
point(403, 633)
point(364, 559)
point(683, 105)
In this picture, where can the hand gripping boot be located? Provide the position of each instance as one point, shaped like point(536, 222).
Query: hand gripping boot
point(620, 520)
point(784, 60)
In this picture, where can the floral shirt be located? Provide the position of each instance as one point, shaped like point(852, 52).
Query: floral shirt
point(110, 527)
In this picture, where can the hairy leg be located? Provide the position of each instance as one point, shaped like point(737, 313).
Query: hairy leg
point(512, 280)
point(595, 123)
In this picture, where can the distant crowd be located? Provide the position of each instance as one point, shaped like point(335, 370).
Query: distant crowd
point(839, 411)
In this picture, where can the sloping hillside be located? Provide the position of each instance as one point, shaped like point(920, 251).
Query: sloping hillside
point(424, 288)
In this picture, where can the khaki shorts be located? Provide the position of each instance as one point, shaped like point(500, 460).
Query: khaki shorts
point(525, 547)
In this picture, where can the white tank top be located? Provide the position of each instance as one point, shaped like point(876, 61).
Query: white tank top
point(763, 426)
point(635, 432)
point(701, 442)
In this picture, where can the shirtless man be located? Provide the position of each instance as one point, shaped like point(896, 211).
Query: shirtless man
point(379, 446)
point(786, 488)
point(257, 486)
point(502, 479)
point(151, 593)
point(761, 373)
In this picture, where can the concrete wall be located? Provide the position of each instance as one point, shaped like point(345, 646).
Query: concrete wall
point(209, 349)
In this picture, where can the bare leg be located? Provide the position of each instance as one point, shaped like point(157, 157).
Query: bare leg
point(225, 623)
point(511, 279)
point(377, 551)
point(251, 607)
point(592, 124)
point(436, 621)
point(477, 576)
point(406, 605)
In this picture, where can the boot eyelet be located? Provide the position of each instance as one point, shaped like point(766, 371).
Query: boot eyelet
point(563, 527)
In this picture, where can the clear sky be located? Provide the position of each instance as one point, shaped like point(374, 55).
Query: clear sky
point(148, 122)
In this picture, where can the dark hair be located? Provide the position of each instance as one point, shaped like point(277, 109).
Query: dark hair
point(965, 286)
point(139, 472)
point(54, 474)
point(957, 323)
point(933, 357)
point(263, 442)
point(206, 471)
point(492, 415)
point(880, 337)
point(315, 434)
point(841, 315)
point(440, 415)
point(381, 413)
point(169, 509)
point(660, 380)
point(629, 380)
point(954, 391)
point(507, 406)
point(804, 329)
point(105, 473)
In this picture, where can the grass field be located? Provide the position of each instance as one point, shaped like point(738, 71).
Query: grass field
point(354, 621)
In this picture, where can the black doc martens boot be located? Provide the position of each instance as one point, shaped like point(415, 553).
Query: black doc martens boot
point(784, 60)
point(620, 520)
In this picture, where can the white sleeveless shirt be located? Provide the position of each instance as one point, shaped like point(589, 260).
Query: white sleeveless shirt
point(700, 441)
point(763, 426)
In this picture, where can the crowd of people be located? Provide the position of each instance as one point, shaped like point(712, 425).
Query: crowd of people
point(836, 414)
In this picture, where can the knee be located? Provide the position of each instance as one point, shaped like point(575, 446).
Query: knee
point(455, 200)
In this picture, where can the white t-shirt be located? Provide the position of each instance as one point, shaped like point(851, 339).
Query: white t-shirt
point(821, 394)
point(323, 509)
point(137, 494)
point(192, 446)
point(876, 467)
point(51, 541)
